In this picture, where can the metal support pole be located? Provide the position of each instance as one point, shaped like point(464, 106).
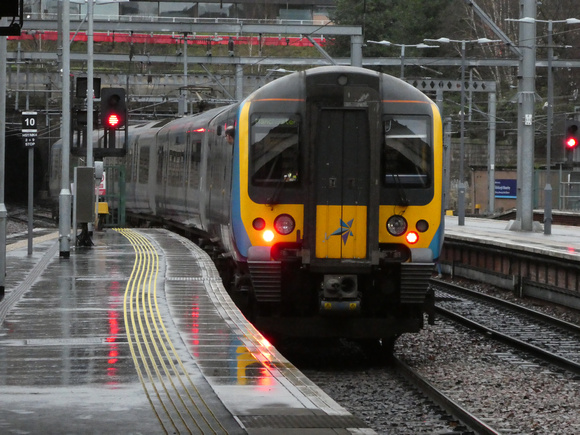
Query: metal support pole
point(239, 82)
point(491, 98)
point(356, 43)
point(90, 90)
point(3, 211)
point(30, 197)
point(446, 162)
point(90, 79)
point(64, 202)
point(183, 106)
point(18, 62)
point(528, 91)
point(548, 187)
point(402, 61)
point(460, 184)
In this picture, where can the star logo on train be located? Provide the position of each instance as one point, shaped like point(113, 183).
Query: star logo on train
point(344, 231)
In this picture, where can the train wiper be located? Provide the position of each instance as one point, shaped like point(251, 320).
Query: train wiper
point(403, 200)
point(273, 200)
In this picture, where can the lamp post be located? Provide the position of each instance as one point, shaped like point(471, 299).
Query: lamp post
point(389, 44)
point(550, 121)
point(461, 184)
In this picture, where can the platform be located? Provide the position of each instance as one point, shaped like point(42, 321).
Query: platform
point(136, 335)
point(564, 242)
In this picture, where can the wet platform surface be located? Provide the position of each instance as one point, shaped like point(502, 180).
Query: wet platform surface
point(563, 242)
point(136, 335)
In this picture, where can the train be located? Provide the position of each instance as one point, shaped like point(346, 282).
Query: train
point(324, 214)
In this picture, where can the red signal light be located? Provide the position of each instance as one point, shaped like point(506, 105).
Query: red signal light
point(113, 120)
point(572, 135)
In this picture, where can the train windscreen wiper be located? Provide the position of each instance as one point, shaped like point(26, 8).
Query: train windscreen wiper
point(403, 200)
point(273, 200)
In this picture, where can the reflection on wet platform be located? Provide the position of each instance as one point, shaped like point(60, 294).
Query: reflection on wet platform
point(137, 335)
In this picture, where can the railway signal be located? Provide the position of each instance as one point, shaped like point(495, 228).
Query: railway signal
point(113, 108)
point(9, 8)
point(572, 135)
point(13, 11)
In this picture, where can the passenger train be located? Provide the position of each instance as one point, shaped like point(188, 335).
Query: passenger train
point(325, 213)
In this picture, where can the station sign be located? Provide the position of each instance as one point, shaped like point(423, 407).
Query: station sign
point(506, 188)
point(29, 128)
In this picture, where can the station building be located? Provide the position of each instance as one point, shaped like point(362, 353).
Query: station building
point(318, 10)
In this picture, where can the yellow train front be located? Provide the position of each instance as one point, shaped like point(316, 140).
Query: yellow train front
point(337, 204)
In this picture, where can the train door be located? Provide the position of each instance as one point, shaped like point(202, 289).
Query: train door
point(193, 200)
point(160, 174)
point(152, 163)
point(342, 189)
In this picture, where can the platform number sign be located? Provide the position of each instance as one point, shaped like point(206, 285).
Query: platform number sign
point(29, 128)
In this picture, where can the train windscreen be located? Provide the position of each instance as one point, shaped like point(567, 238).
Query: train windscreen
point(407, 153)
point(274, 149)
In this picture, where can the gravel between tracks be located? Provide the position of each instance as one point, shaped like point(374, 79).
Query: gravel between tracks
point(512, 392)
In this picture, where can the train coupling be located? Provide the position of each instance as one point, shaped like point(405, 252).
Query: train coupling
point(340, 295)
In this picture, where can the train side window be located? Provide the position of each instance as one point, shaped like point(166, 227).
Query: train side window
point(143, 164)
point(274, 149)
point(407, 151)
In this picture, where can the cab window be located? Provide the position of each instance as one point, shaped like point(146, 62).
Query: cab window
point(274, 149)
point(407, 155)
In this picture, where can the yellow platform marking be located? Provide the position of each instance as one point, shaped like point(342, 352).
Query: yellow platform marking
point(153, 351)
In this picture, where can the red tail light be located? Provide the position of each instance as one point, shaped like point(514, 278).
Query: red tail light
point(412, 237)
point(268, 236)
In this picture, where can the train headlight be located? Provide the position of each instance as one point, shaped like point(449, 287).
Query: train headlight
point(396, 225)
point(284, 224)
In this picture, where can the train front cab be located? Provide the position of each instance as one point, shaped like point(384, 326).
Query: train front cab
point(365, 229)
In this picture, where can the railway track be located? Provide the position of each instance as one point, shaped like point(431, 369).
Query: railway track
point(17, 222)
point(451, 378)
point(391, 398)
point(469, 421)
point(40, 215)
point(553, 340)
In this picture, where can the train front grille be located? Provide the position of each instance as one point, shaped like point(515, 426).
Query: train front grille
point(415, 282)
point(266, 280)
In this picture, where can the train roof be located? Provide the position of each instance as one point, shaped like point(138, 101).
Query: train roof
point(290, 86)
